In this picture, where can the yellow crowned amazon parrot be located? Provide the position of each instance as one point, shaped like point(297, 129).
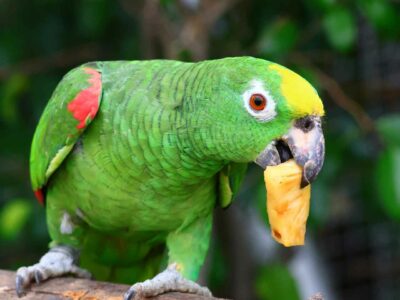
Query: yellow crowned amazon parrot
point(131, 157)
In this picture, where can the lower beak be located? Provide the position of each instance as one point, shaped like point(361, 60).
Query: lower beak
point(304, 142)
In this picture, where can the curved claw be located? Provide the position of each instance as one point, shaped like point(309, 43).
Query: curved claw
point(58, 261)
point(130, 294)
point(38, 277)
point(19, 286)
point(170, 280)
point(80, 273)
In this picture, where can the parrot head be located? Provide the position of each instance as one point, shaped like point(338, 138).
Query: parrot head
point(263, 112)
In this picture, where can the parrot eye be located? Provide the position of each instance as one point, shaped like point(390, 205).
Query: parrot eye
point(257, 102)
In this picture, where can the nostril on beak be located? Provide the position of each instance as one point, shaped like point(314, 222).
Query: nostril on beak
point(305, 124)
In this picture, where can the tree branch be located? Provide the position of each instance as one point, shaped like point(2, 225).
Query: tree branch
point(63, 58)
point(68, 288)
point(191, 30)
point(338, 95)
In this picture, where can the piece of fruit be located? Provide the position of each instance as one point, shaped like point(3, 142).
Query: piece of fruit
point(288, 205)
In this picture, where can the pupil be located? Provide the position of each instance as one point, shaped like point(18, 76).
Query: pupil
point(258, 101)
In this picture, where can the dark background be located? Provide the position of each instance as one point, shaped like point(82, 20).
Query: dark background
point(349, 50)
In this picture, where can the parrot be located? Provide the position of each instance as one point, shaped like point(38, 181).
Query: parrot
point(130, 159)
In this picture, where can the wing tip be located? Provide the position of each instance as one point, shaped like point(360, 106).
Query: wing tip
point(39, 196)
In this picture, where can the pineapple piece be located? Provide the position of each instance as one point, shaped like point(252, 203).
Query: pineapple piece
point(287, 204)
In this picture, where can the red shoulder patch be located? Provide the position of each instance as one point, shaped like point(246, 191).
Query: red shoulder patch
point(86, 104)
point(39, 196)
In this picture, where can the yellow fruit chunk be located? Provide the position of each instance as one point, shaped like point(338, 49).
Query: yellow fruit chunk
point(287, 204)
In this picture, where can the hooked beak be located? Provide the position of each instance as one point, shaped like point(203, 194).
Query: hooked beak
point(304, 142)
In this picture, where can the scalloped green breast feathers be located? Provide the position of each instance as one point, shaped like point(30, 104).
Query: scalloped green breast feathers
point(70, 110)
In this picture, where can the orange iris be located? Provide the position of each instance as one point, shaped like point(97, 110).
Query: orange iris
point(258, 102)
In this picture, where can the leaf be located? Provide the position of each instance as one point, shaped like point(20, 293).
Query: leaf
point(389, 129)
point(387, 180)
point(276, 282)
point(94, 17)
point(321, 5)
point(340, 28)
point(278, 38)
point(260, 194)
point(219, 267)
point(13, 217)
point(382, 16)
point(12, 89)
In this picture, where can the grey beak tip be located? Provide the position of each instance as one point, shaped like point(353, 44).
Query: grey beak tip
point(310, 171)
point(304, 182)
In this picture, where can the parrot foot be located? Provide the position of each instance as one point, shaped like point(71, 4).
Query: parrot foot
point(169, 280)
point(58, 261)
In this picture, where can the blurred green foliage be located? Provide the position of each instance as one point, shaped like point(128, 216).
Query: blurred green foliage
point(276, 282)
point(382, 16)
point(340, 28)
point(278, 38)
point(13, 218)
point(41, 40)
point(388, 165)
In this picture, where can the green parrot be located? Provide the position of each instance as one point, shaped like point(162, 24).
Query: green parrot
point(131, 157)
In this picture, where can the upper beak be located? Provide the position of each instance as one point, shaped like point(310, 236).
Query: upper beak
point(304, 142)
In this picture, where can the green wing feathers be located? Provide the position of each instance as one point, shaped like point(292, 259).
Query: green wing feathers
point(72, 107)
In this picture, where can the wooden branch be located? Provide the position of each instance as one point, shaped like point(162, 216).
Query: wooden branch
point(69, 288)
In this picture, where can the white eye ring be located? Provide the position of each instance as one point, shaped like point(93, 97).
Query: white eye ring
point(266, 114)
